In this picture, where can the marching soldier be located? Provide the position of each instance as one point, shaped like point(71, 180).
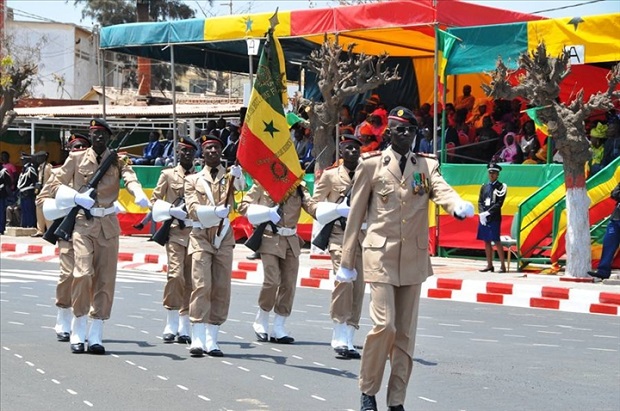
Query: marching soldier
point(279, 249)
point(209, 196)
point(44, 170)
point(331, 194)
point(178, 288)
point(76, 142)
point(95, 240)
point(391, 190)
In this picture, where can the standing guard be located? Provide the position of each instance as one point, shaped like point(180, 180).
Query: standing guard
point(209, 196)
point(96, 232)
point(169, 204)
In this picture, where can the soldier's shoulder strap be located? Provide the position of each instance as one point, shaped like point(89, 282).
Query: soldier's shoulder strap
point(370, 154)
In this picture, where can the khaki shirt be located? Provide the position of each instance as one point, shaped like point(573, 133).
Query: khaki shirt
point(77, 170)
point(170, 187)
point(333, 186)
point(201, 239)
point(290, 211)
point(395, 248)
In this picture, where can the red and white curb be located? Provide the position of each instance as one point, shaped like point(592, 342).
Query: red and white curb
point(464, 290)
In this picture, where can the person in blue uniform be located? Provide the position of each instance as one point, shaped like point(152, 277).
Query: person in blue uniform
point(490, 201)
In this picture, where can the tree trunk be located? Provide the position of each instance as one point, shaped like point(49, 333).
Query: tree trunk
point(578, 261)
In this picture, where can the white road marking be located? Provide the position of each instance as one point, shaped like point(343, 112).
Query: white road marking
point(21, 312)
point(40, 371)
point(316, 397)
point(473, 321)
point(430, 336)
point(142, 368)
point(535, 325)
point(601, 349)
point(243, 369)
point(6, 348)
point(314, 306)
point(276, 349)
point(227, 363)
point(130, 362)
point(501, 328)
point(18, 356)
point(318, 364)
point(90, 404)
point(184, 388)
point(202, 397)
point(462, 332)
point(30, 363)
point(291, 387)
point(70, 391)
point(515, 336)
point(239, 337)
point(449, 325)
point(427, 399)
point(55, 381)
point(545, 345)
point(605, 336)
point(571, 340)
point(44, 305)
point(266, 377)
point(297, 357)
point(15, 323)
point(549, 332)
point(30, 295)
point(482, 340)
point(161, 377)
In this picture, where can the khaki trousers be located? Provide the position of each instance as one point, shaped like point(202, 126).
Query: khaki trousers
point(42, 223)
point(94, 275)
point(347, 298)
point(394, 313)
point(178, 288)
point(211, 276)
point(63, 287)
point(279, 283)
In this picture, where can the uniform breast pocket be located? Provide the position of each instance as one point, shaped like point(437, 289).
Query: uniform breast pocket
point(374, 249)
point(177, 187)
point(385, 196)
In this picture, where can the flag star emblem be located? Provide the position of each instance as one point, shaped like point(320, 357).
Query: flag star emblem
point(269, 128)
point(248, 24)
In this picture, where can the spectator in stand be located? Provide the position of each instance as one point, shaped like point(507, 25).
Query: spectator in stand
point(229, 153)
point(466, 101)
point(153, 149)
point(611, 241)
point(529, 140)
point(597, 135)
point(345, 115)
point(511, 153)
point(450, 114)
point(167, 155)
point(372, 103)
point(367, 137)
point(611, 150)
point(488, 138)
point(426, 143)
point(479, 113)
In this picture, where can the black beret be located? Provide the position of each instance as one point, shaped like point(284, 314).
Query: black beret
point(349, 138)
point(99, 123)
point(77, 138)
point(188, 142)
point(402, 114)
point(210, 137)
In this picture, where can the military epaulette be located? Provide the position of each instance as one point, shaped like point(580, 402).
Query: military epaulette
point(123, 157)
point(332, 167)
point(370, 154)
point(427, 155)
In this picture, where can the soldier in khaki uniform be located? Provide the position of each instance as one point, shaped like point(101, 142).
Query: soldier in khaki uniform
point(279, 250)
point(331, 194)
point(178, 288)
point(44, 171)
point(392, 190)
point(95, 240)
point(209, 198)
point(76, 142)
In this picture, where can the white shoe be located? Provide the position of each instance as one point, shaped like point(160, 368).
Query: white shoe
point(212, 348)
point(95, 337)
point(280, 335)
point(339, 337)
point(185, 330)
point(78, 334)
point(352, 352)
point(172, 325)
point(261, 325)
point(199, 336)
point(63, 324)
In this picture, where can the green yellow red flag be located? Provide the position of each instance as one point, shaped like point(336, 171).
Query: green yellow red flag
point(266, 150)
point(445, 43)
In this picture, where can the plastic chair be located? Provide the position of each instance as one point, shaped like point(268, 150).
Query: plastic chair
point(509, 242)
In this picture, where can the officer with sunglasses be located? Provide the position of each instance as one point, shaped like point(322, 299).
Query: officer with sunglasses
point(392, 190)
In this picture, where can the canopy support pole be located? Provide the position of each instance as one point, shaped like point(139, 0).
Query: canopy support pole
point(175, 136)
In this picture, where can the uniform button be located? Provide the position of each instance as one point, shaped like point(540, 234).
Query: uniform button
point(404, 221)
point(403, 239)
point(404, 202)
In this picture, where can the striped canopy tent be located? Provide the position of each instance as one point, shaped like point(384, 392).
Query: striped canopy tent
point(403, 29)
point(591, 40)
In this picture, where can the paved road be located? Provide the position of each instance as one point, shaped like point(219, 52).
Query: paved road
point(468, 356)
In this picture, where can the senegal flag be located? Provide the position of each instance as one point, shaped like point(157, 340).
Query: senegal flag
point(445, 43)
point(266, 150)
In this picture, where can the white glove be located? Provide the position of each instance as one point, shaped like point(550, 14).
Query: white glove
point(236, 171)
point(343, 209)
point(141, 200)
point(463, 209)
point(483, 217)
point(84, 200)
point(118, 208)
point(273, 214)
point(346, 275)
point(178, 213)
point(222, 211)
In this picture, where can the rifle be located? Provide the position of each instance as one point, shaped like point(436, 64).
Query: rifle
point(65, 228)
point(162, 235)
point(322, 238)
point(49, 235)
point(255, 240)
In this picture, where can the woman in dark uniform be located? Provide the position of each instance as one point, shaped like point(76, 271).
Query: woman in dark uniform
point(490, 201)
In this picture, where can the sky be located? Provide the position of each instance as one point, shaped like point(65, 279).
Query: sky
point(66, 12)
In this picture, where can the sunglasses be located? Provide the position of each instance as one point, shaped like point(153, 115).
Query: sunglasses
point(404, 129)
point(78, 146)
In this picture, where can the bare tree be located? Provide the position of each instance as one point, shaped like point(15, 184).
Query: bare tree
point(540, 85)
point(18, 71)
point(340, 75)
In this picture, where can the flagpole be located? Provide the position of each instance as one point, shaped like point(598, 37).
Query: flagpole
point(435, 78)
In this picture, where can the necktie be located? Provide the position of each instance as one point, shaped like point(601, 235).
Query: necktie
point(98, 158)
point(213, 173)
point(402, 163)
point(351, 174)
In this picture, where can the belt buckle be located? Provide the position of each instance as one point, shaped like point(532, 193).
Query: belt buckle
point(97, 212)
